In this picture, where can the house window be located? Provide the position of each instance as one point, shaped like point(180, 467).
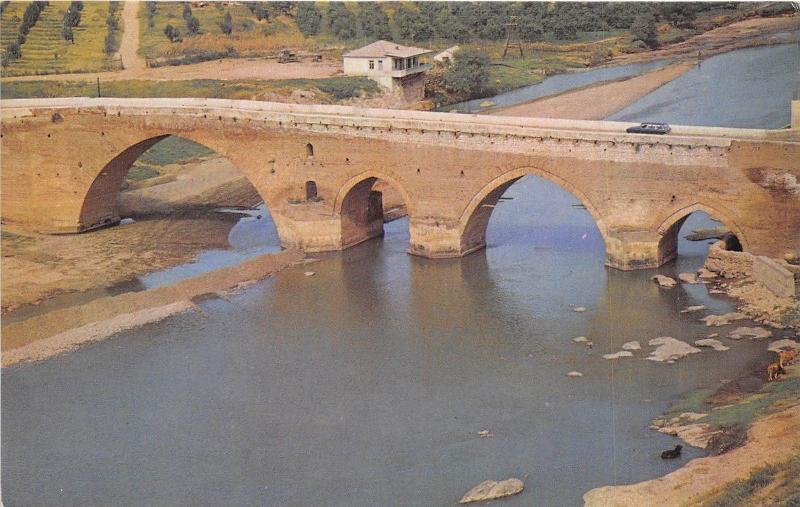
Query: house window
point(380, 64)
point(371, 64)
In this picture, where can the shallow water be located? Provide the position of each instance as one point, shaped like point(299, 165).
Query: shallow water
point(366, 384)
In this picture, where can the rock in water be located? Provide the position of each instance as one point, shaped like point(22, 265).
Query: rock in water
point(706, 274)
point(617, 355)
point(688, 278)
point(754, 333)
point(664, 281)
point(489, 490)
point(574, 374)
point(634, 345)
point(710, 233)
point(670, 349)
point(779, 345)
point(580, 339)
point(722, 320)
point(696, 308)
point(579, 309)
point(310, 273)
point(711, 343)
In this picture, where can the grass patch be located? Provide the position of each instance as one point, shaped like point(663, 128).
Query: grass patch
point(170, 150)
point(763, 402)
point(741, 492)
point(333, 88)
point(140, 172)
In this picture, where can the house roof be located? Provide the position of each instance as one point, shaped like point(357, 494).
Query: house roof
point(386, 48)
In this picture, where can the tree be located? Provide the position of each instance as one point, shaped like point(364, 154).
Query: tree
point(187, 11)
point(412, 25)
point(227, 24)
point(373, 21)
point(67, 34)
point(172, 33)
point(468, 76)
point(193, 25)
point(643, 28)
point(341, 21)
point(308, 18)
point(13, 52)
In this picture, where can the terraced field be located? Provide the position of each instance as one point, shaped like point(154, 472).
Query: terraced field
point(9, 25)
point(46, 51)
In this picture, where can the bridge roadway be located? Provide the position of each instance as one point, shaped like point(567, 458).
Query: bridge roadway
point(63, 161)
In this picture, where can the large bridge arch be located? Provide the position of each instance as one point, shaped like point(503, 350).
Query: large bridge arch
point(475, 217)
point(670, 226)
point(99, 202)
point(360, 208)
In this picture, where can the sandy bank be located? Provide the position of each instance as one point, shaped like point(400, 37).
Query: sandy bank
point(63, 330)
point(598, 101)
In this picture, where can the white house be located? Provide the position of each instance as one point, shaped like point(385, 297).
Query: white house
point(390, 64)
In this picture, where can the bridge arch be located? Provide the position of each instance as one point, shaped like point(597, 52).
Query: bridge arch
point(671, 225)
point(99, 205)
point(360, 207)
point(475, 218)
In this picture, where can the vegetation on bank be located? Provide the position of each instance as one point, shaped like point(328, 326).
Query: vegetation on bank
point(777, 485)
point(64, 37)
point(326, 90)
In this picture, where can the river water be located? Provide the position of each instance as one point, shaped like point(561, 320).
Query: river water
point(366, 384)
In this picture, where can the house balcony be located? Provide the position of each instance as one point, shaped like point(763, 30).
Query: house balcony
point(412, 70)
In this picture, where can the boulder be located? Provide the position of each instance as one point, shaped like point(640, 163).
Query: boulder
point(688, 278)
point(669, 349)
point(574, 374)
point(722, 320)
point(617, 355)
point(489, 490)
point(664, 281)
point(754, 333)
point(579, 309)
point(580, 339)
point(695, 308)
point(711, 343)
point(634, 345)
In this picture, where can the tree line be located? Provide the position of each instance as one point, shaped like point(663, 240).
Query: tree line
point(29, 19)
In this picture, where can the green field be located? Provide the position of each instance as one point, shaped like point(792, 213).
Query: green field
point(46, 51)
point(328, 89)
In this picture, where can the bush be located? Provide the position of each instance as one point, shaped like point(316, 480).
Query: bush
point(308, 18)
point(13, 52)
point(172, 33)
point(187, 11)
point(468, 76)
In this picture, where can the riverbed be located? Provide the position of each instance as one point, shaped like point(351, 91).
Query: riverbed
point(367, 382)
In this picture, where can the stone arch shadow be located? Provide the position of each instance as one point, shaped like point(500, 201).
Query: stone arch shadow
point(360, 208)
point(475, 218)
point(99, 204)
point(671, 225)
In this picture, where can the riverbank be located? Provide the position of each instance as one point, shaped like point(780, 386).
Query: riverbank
point(66, 329)
point(599, 101)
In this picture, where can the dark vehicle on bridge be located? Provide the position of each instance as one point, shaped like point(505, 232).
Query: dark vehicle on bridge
point(649, 128)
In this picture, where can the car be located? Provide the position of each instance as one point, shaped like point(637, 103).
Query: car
point(649, 128)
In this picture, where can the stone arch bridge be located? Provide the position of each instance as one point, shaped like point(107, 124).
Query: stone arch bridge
point(63, 161)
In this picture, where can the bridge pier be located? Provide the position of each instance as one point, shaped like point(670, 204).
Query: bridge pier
point(629, 250)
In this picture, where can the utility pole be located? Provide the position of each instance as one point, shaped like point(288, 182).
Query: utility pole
point(98, 87)
point(512, 37)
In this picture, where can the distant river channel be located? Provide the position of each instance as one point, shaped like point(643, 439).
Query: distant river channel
point(367, 383)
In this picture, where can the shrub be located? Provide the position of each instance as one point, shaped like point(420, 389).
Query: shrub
point(193, 25)
point(468, 76)
point(227, 24)
point(643, 28)
point(187, 11)
point(172, 33)
point(13, 52)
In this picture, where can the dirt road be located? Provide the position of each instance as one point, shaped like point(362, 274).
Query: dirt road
point(598, 101)
point(131, 61)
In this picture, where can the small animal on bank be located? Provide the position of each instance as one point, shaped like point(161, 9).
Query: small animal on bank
point(773, 370)
point(672, 453)
point(786, 357)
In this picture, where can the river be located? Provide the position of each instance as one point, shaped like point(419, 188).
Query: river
point(367, 383)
